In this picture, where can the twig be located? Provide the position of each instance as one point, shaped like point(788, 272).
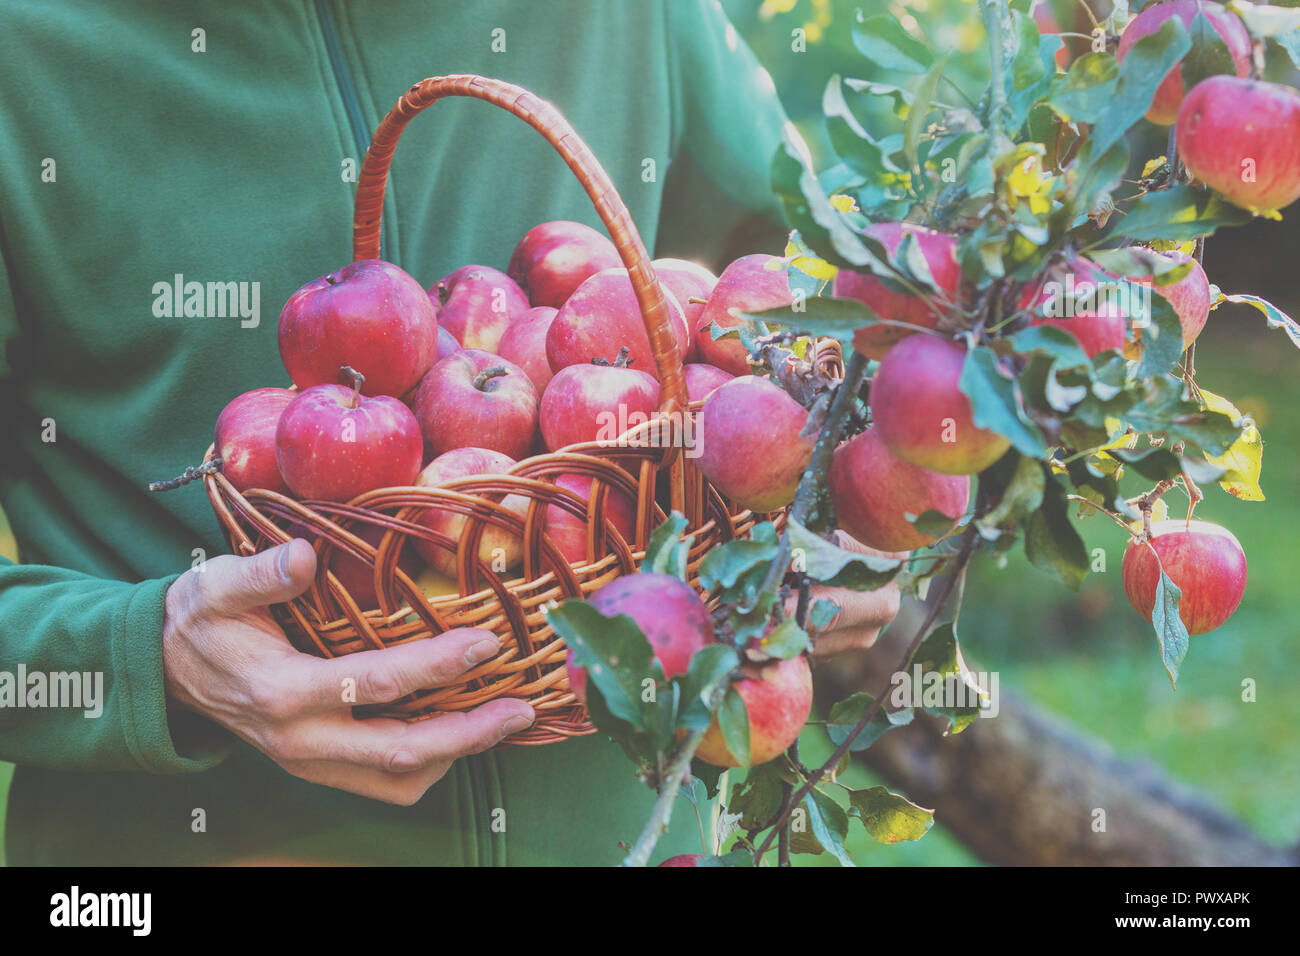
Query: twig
point(1148, 501)
point(192, 473)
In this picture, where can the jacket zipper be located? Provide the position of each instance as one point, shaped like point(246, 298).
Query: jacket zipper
point(347, 89)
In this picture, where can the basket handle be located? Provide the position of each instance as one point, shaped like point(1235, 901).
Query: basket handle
point(546, 119)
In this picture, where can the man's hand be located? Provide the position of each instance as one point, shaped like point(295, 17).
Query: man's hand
point(225, 658)
point(862, 615)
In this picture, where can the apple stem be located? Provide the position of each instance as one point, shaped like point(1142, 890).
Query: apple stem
point(622, 360)
point(485, 376)
point(191, 473)
point(357, 381)
point(442, 292)
point(1148, 501)
point(696, 300)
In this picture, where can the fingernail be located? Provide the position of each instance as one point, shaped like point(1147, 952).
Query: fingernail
point(514, 725)
point(282, 563)
point(481, 651)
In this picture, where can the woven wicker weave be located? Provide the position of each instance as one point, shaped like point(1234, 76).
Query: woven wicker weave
point(646, 465)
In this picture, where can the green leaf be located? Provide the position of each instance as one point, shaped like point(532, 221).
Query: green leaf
point(830, 825)
point(996, 402)
point(1051, 543)
point(883, 41)
point(888, 817)
point(915, 124)
point(709, 666)
point(1209, 54)
point(1017, 496)
point(836, 567)
point(708, 775)
point(758, 797)
point(617, 656)
point(1171, 633)
point(1060, 345)
point(944, 675)
point(733, 721)
point(1272, 21)
point(844, 716)
point(668, 551)
point(1141, 262)
point(1277, 319)
point(1082, 94)
point(1162, 334)
point(739, 856)
point(724, 565)
point(1140, 75)
point(1178, 214)
point(831, 318)
point(786, 640)
point(808, 209)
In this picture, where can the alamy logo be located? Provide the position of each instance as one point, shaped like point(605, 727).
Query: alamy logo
point(77, 690)
point(1068, 299)
point(75, 908)
point(934, 690)
point(208, 300)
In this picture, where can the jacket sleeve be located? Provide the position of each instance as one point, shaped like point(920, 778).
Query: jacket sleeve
point(93, 646)
point(728, 117)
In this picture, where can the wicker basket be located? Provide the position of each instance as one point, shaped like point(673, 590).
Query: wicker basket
point(327, 621)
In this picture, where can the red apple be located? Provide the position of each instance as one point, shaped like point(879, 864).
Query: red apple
point(750, 444)
point(369, 315)
point(1203, 559)
point(496, 544)
point(778, 699)
point(245, 439)
point(669, 612)
point(569, 533)
point(1190, 296)
point(602, 317)
point(477, 304)
point(922, 415)
point(702, 379)
point(683, 859)
point(754, 283)
point(554, 258)
point(874, 491)
point(357, 576)
point(476, 399)
point(1164, 108)
point(333, 444)
point(1079, 297)
point(687, 281)
point(524, 343)
point(447, 344)
point(940, 253)
point(1242, 138)
point(596, 403)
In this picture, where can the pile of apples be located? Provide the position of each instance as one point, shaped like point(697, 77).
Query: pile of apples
point(398, 385)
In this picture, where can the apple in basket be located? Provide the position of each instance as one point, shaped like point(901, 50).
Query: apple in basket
point(750, 284)
point(603, 316)
point(669, 613)
point(498, 548)
point(592, 402)
point(569, 532)
point(702, 380)
point(333, 443)
point(524, 343)
point(245, 439)
point(369, 315)
point(477, 304)
point(691, 284)
point(554, 258)
point(358, 576)
point(475, 398)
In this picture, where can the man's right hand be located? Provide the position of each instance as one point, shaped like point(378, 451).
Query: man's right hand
point(225, 657)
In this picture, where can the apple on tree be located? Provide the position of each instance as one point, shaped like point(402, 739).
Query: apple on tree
point(1190, 296)
point(940, 253)
point(666, 609)
point(554, 258)
point(778, 699)
point(585, 403)
point(921, 413)
point(1204, 560)
point(754, 283)
point(477, 304)
point(245, 439)
point(601, 318)
point(476, 399)
point(1231, 32)
point(1073, 296)
point(498, 548)
point(1242, 139)
point(333, 443)
point(874, 491)
point(369, 315)
point(751, 444)
point(524, 343)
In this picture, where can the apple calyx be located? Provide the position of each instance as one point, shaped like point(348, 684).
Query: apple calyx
point(622, 360)
point(357, 381)
point(482, 378)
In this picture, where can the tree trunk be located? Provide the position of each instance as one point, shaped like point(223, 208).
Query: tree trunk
point(1023, 788)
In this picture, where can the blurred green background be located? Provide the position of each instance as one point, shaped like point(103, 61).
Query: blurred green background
point(1087, 656)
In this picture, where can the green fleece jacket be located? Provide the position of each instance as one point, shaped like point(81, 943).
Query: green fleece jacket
point(146, 144)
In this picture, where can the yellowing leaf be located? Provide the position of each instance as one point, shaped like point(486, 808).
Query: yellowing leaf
point(1245, 459)
point(1152, 165)
point(812, 266)
point(844, 203)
